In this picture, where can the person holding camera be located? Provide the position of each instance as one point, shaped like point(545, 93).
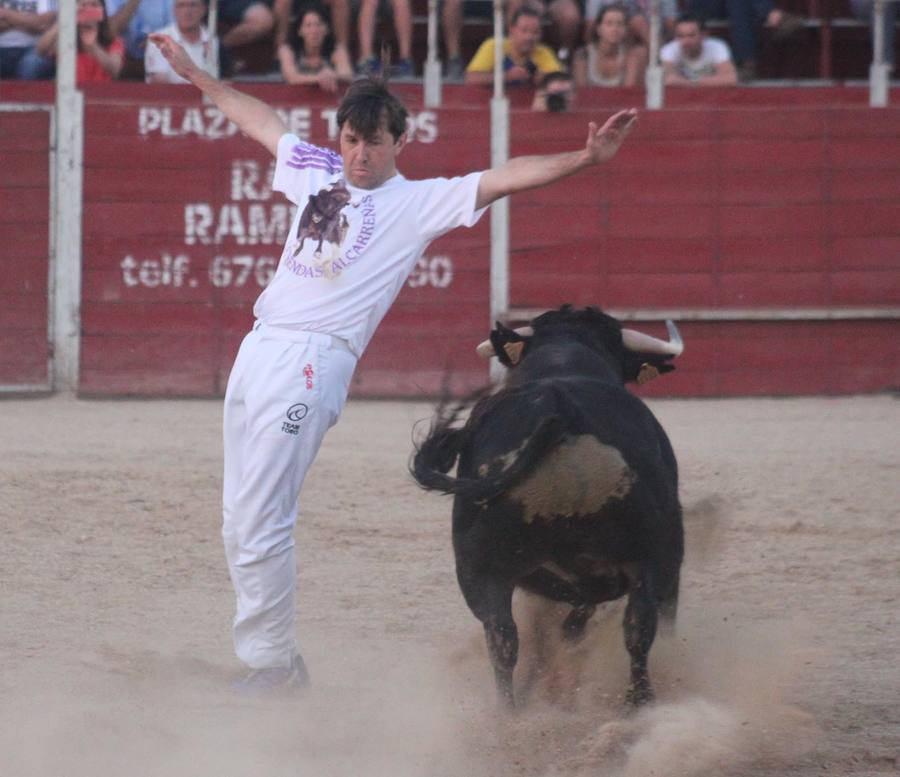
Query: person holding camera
point(554, 93)
point(525, 59)
point(100, 55)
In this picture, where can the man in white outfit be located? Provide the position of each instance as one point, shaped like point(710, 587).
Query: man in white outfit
point(360, 227)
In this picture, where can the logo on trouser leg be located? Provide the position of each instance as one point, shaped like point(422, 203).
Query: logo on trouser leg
point(295, 414)
point(308, 373)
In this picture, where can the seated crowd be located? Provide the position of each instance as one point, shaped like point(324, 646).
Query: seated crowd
point(310, 40)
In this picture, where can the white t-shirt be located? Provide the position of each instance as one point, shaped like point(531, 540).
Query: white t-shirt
point(16, 38)
point(156, 64)
point(370, 241)
point(713, 53)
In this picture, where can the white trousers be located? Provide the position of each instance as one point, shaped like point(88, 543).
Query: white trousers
point(286, 389)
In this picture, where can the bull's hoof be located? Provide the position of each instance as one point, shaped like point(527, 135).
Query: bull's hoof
point(639, 695)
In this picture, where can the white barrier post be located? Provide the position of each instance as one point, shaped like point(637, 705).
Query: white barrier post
point(500, 209)
point(432, 73)
point(212, 23)
point(879, 72)
point(654, 76)
point(65, 281)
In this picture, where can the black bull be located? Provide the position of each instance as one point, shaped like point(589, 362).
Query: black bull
point(567, 486)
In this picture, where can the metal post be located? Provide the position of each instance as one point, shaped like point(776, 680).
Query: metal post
point(500, 209)
point(879, 72)
point(67, 187)
point(654, 76)
point(212, 24)
point(432, 62)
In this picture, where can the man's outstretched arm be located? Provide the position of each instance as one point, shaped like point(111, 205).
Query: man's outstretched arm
point(529, 172)
point(255, 119)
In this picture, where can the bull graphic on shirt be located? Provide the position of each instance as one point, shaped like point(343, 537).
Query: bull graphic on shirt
point(322, 221)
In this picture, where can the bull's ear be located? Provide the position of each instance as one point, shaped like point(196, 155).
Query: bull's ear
point(649, 372)
point(508, 344)
point(644, 367)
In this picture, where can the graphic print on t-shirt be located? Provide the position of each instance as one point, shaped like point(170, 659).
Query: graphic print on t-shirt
point(323, 222)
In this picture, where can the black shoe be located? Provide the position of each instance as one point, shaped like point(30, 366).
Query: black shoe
point(274, 680)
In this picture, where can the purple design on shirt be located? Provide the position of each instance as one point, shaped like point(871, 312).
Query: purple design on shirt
point(304, 156)
point(331, 267)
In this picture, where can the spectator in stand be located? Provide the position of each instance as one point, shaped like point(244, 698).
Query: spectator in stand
point(134, 20)
point(865, 11)
point(744, 19)
point(368, 63)
point(611, 59)
point(638, 14)
point(693, 59)
point(565, 16)
point(190, 31)
point(311, 57)
point(287, 18)
point(100, 55)
point(248, 21)
point(525, 58)
point(21, 25)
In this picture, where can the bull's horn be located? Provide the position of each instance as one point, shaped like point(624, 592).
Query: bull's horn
point(486, 349)
point(674, 336)
point(638, 341)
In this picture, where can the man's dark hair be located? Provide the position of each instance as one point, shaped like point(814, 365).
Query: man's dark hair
point(367, 104)
point(689, 18)
point(524, 10)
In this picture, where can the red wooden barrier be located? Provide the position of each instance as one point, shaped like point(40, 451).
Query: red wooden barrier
point(24, 248)
point(710, 206)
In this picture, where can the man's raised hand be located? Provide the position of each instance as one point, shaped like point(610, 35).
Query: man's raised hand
point(175, 55)
point(603, 143)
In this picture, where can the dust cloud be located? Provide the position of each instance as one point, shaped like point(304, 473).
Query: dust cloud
point(115, 605)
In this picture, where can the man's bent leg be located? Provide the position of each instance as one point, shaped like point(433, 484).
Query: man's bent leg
point(286, 419)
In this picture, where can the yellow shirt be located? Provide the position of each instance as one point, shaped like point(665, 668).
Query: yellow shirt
point(542, 58)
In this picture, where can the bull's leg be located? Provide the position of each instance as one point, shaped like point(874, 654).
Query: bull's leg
point(573, 625)
point(491, 603)
point(545, 583)
point(299, 247)
point(668, 605)
point(595, 589)
point(640, 630)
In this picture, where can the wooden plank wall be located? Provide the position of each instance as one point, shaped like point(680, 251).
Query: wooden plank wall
point(24, 247)
point(734, 201)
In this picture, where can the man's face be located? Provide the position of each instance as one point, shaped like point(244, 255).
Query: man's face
point(689, 36)
point(369, 163)
point(525, 34)
point(189, 14)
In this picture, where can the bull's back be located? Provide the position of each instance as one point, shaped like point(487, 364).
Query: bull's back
point(606, 454)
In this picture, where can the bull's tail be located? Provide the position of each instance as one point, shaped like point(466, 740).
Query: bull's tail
point(438, 453)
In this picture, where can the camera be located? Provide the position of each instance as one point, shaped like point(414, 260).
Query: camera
point(557, 101)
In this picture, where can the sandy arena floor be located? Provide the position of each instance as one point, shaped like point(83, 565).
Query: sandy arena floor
point(114, 626)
